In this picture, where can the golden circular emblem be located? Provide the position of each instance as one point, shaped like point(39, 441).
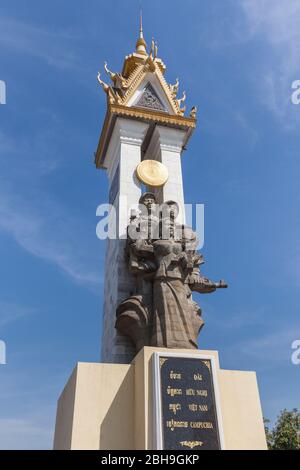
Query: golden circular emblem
point(152, 173)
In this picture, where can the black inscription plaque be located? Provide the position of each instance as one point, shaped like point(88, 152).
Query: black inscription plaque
point(188, 407)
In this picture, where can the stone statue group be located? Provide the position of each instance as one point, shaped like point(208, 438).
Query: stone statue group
point(162, 255)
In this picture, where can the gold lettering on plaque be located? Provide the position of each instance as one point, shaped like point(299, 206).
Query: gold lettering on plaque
point(194, 407)
point(174, 407)
point(190, 392)
point(198, 377)
point(175, 375)
point(191, 444)
point(172, 424)
point(174, 391)
point(201, 424)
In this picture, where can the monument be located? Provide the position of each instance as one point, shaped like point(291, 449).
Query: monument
point(154, 388)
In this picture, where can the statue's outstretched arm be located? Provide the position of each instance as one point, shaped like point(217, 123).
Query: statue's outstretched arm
point(205, 286)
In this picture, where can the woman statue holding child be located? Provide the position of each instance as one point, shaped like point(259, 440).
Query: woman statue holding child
point(164, 260)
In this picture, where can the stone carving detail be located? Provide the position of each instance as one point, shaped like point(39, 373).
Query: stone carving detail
point(163, 258)
point(149, 99)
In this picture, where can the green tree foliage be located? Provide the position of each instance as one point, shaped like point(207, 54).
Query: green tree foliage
point(269, 434)
point(286, 433)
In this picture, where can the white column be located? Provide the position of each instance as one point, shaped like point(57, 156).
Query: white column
point(124, 154)
point(166, 146)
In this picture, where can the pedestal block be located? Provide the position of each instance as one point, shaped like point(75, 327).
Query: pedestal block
point(129, 407)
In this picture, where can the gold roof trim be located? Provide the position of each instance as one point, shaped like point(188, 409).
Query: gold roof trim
point(133, 82)
point(147, 115)
point(138, 79)
point(154, 115)
point(167, 90)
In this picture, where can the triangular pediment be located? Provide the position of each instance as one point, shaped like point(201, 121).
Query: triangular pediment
point(150, 99)
point(151, 91)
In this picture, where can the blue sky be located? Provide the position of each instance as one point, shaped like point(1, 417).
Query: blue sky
point(237, 61)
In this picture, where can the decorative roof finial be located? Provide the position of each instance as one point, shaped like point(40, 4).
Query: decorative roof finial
point(141, 23)
point(141, 43)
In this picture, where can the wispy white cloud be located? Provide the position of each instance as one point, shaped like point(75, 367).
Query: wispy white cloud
point(40, 158)
point(240, 320)
point(218, 125)
point(25, 434)
point(251, 133)
point(276, 23)
point(38, 222)
point(11, 311)
point(45, 230)
point(261, 338)
point(53, 47)
point(275, 19)
point(272, 348)
point(272, 28)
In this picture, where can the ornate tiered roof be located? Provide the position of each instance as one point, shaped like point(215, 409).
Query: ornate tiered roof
point(141, 92)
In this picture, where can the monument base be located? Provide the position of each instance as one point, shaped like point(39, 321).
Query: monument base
point(115, 406)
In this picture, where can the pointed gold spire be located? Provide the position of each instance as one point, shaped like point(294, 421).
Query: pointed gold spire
point(141, 43)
